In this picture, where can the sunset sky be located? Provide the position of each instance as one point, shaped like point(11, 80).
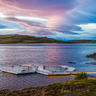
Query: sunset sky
point(58, 19)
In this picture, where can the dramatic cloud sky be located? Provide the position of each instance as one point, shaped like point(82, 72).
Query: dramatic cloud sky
point(59, 19)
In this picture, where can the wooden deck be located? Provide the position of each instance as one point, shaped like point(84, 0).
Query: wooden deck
point(84, 72)
point(71, 73)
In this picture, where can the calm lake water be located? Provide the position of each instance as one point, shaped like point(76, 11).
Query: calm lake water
point(49, 54)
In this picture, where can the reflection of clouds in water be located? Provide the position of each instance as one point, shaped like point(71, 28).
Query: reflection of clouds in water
point(54, 55)
point(24, 81)
point(49, 54)
point(23, 55)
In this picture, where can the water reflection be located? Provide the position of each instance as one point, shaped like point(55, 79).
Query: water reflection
point(49, 54)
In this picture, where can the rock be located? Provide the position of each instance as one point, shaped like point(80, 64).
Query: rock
point(92, 56)
point(72, 62)
point(93, 63)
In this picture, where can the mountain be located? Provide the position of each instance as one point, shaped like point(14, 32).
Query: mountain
point(15, 39)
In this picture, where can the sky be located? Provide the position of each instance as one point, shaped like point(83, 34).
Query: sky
point(57, 19)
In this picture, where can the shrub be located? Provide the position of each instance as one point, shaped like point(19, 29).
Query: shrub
point(85, 93)
point(81, 76)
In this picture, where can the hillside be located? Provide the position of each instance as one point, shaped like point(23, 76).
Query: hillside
point(15, 39)
point(7, 39)
point(82, 41)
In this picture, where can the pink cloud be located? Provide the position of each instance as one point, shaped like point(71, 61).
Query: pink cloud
point(55, 13)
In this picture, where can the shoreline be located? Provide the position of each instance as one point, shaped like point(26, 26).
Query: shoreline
point(52, 43)
point(69, 88)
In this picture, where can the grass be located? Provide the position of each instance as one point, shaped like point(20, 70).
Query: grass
point(80, 87)
point(81, 76)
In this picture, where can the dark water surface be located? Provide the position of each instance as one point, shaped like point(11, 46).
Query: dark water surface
point(49, 54)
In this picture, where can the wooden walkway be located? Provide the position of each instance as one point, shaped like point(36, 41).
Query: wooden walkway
point(72, 73)
point(84, 72)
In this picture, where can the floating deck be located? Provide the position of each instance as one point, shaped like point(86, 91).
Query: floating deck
point(18, 69)
point(41, 69)
point(55, 70)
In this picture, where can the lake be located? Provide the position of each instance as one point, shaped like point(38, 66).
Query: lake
point(48, 54)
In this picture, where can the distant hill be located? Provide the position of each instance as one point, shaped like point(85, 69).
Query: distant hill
point(8, 39)
point(81, 41)
point(15, 39)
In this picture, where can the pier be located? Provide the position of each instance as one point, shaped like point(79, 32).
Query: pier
point(71, 73)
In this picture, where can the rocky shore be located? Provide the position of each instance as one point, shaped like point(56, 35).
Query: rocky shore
point(85, 87)
point(92, 56)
